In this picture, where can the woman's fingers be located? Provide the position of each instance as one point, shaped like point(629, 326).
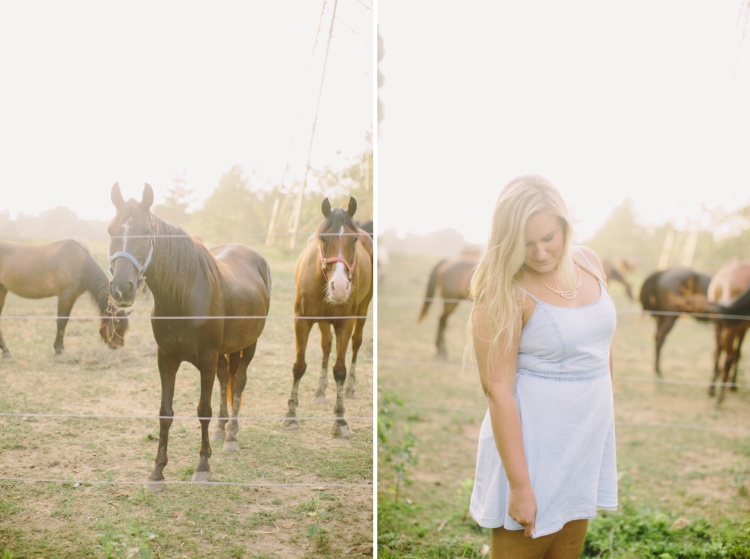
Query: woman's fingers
point(528, 529)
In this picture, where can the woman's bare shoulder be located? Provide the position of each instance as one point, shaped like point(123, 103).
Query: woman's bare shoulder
point(588, 254)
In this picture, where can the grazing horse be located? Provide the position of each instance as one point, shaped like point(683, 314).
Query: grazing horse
point(728, 286)
point(612, 273)
point(452, 277)
point(210, 307)
point(64, 269)
point(667, 294)
point(334, 287)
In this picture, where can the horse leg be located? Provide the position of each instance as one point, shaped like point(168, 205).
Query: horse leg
point(718, 331)
point(222, 373)
point(301, 335)
point(343, 329)
point(740, 339)
point(448, 309)
point(64, 306)
point(6, 351)
point(351, 377)
point(326, 341)
point(207, 368)
point(663, 326)
point(238, 369)
point(167, 373)
point(730, 362)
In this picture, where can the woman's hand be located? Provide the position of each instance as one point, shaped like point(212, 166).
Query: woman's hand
point(522, 508)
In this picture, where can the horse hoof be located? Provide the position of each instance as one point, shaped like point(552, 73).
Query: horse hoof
point(201, 476)
point(319, 398)
point(155, 486)
point(7, 355)
point(349, 393)
point(231, 446)
point(218, 435)
point(290, 424)
point(341, 431)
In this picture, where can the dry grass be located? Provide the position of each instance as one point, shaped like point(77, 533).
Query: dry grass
point(676, 452)
point(271, 516)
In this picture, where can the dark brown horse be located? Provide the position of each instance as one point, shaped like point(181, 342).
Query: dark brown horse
point(210, 307)
point(729, 289)
point(65, 270)
point(452, 278)
point(334, 287)
point(667, 294)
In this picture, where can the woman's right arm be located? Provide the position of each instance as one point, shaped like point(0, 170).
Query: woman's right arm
point(498, 380)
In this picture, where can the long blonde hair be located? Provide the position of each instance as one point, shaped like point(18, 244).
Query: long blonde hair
point(495, 284)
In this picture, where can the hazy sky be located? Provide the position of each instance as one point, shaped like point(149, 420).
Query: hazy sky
point(97, 92)
point(641, 99)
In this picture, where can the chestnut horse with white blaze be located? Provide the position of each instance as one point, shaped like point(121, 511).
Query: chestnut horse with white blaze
point(334, 287)
point(210, 308)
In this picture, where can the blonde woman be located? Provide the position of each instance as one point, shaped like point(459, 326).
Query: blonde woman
point(540, 330)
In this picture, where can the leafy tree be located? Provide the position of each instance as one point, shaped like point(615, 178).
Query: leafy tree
point(175, 206)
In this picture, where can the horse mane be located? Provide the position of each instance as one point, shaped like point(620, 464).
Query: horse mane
point(186, 259)
point(337, 218)
point(95, 280)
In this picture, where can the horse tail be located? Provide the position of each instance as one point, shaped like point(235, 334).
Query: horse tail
point(649, 295)
point(234, 361)
point(431, 285)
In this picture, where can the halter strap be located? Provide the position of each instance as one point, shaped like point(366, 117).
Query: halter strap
point(325, 261)
point(138, 266)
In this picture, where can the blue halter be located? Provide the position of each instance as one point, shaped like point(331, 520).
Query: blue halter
point(138, 266)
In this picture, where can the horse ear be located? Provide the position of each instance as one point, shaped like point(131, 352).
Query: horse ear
point(148, 197)
point(116, 195)
point(326, 207)
point(352, 206)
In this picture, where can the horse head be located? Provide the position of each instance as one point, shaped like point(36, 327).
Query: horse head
point(337, 242)
point(131, 244)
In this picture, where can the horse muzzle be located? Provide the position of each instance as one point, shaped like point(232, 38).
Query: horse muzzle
point(122, 292)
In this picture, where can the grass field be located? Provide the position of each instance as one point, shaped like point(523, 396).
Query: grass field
point(684, 466)
point(72, 487)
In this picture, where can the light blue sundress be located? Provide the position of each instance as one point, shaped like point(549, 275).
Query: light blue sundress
point(564, 397)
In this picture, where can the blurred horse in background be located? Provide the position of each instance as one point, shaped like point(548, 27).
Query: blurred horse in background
point(667, 294)
point(451, 277)
point(730, 290)
point(613, 272)
point(66, 270)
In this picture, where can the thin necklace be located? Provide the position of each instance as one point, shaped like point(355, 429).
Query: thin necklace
point(565, 294)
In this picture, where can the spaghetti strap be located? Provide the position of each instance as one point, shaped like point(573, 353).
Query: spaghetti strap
point(535, 298)
point(590, 268)
point(586, 258)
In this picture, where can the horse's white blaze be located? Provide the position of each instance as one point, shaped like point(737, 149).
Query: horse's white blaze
point(339, 286)
point(125, 232)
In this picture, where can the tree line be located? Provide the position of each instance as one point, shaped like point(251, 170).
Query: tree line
point(721, 236)
point(239, 208)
